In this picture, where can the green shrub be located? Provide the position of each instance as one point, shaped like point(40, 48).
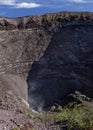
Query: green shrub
point(79, 117)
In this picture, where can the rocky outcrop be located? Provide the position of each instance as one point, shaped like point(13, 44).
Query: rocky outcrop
point(23, 40)
point(66, 67)
point(57, 48)
point(47, 21)
point(18, 50)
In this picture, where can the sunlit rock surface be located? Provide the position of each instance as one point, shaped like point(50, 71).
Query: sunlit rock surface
point(54, 52)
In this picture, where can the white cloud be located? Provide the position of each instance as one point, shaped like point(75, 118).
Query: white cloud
point(81, 1)
point(7, 2)
point(34, 3)
point(27, 5)
point(77, 1)
point(17, 4)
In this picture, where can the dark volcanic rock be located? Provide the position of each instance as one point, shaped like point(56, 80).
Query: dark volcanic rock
point(61, 47)
point(65, 67)
point(23, 40)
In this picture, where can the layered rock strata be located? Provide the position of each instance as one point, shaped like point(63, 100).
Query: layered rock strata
point(57, 49)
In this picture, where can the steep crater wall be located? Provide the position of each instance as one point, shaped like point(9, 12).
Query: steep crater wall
point(57, 49)
point(66, 67)
point(23, 40)
point(19, 48)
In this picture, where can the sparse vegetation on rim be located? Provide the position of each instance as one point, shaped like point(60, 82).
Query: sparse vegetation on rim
point(78, 118)
point(58, 49)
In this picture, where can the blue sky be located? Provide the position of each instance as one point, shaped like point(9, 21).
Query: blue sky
point(17, 8)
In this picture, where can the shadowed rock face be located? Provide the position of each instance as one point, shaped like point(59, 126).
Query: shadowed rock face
point(65, 67)
point(61, 47)
point(23, 40)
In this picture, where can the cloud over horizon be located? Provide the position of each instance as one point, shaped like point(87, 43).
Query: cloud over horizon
point(38, 3)
point(27, 5)
point(81, 1)
point(7, 2)
point(17, 8)
point(17, 4)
